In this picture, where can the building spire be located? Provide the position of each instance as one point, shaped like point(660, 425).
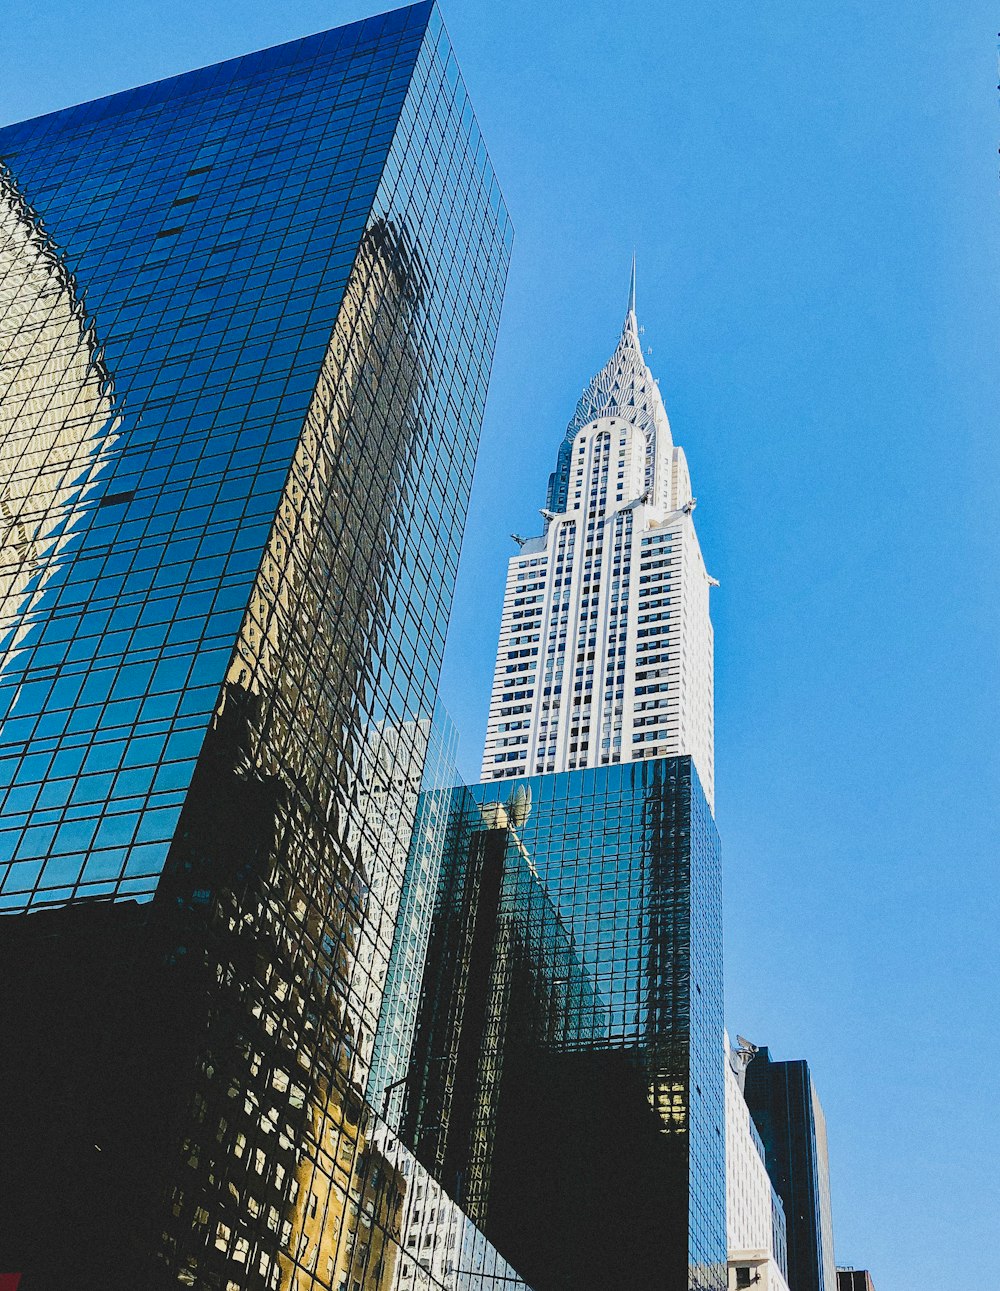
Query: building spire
point(631, 289)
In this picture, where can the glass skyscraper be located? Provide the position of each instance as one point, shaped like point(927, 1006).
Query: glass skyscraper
point(247, 316)
point(789, 1117)
point(567, 1084)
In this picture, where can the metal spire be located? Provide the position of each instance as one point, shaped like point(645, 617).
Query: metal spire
point(631, 290)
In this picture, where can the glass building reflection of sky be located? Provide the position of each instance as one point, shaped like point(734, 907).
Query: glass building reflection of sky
point(249, 316)
point(173, 261)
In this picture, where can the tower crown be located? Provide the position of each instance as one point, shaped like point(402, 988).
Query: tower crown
point(605, 650)
point(625, 388)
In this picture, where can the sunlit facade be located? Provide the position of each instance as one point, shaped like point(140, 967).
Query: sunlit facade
point(756, 1229)
point(606, 645)
point(567, 1079)
point(247, 318)
point(394, 1037)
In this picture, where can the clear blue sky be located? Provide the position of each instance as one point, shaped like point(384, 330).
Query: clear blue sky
point(812, 193)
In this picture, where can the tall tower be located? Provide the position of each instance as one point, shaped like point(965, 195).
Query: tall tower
point(606, 650)
point(246, 323)
point(569, 1028)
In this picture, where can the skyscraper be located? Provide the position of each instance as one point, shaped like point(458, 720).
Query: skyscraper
point(246, 321)
point(568, 1077)
point(786, 1110)
point(606, 650)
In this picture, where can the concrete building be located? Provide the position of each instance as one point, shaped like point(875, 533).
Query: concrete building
point(755, 1216)
point(854, 1280)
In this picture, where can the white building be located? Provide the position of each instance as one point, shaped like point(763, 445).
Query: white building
point(755, 1217)
point(58, 422)
point(440, 1247)
point(605, 648)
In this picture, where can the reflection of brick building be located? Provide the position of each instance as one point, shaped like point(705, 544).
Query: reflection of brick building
point(351, 1232)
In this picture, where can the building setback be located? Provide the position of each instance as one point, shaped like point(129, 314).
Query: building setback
point(787, 1112)
point(247, 317)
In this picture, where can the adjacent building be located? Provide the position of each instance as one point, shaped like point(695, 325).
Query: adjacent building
point(854, 1280)
point(606, 647)
point(247, 317)
point(567, 1082)
point(755, 1217)
point(787, 1113)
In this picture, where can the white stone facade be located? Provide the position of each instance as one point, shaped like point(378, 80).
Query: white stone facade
point(755, 1217)
point(606, 649)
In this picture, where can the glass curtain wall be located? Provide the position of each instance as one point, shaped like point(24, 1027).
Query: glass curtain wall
point(566, 1082)
point(249, 317)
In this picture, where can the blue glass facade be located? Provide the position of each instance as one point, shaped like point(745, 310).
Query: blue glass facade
point(566, 1077)
point(246, 322)
point(198, 237)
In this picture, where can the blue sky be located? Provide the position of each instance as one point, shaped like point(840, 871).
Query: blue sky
point(811, 190)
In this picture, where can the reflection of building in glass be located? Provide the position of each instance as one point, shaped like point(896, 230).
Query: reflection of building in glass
point(394, 1038)
point(56, 420)
point(567, 1085)
point(755, 1216)
point(786, 1110)
point(503, 972)
point(442, 1249)
point(389, 787)
point(606, 646)
point(224, 693)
